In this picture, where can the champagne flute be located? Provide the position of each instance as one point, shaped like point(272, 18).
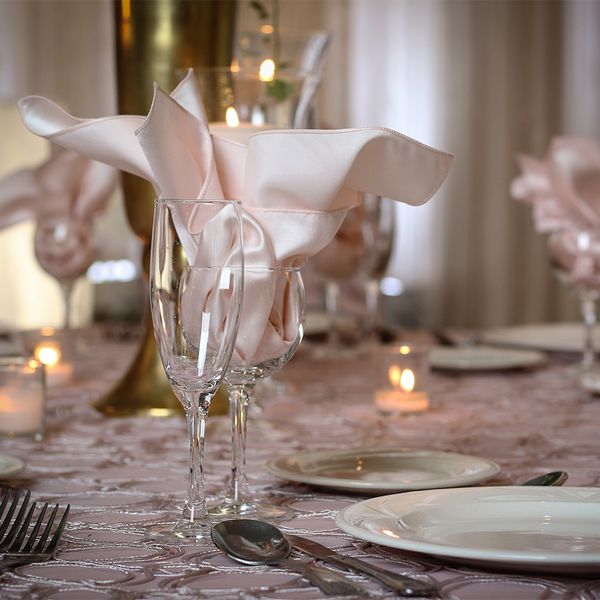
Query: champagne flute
point(271, 329)
point(196, 286)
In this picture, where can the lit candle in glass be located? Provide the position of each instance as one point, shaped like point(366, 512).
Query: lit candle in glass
point(402, 379)
point(57, 370)
point(22, 397)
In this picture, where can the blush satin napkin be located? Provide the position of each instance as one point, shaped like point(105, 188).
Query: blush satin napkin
point(295, 186)
point(563, 189)
point(65, 184)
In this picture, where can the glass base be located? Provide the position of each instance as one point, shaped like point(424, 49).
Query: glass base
point(181, 531)
point(589, 379)
point(250, 510)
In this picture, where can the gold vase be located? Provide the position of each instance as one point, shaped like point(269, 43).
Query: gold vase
point(155, 38)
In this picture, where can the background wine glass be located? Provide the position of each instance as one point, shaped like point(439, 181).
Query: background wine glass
point(575, 258)
point(196, 286)
point(64, 247)
point(271, 329)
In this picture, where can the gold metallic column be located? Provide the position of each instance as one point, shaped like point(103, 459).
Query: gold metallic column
point(154, 38)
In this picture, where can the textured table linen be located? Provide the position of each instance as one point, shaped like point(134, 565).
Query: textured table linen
point(119, 474)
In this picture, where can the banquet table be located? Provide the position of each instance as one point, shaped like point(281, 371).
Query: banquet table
point(120, 474)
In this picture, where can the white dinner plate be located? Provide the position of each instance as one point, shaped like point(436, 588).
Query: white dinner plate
point(483, 358)
point(10, 465)
point(552, 337)
point(383, 470)
point(527, 528)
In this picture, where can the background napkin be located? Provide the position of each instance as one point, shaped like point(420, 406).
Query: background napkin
point(65, 184)
point(295, 186)
point(564, 191)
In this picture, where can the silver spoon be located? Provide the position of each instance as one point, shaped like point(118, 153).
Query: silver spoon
point(555, 478)
point(259, 543)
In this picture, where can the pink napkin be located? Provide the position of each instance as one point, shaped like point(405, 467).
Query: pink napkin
point(295, 186)
point(564, 187)
point(65, 184)
point(564, 191)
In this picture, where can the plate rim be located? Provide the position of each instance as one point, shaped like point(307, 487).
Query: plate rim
point(17, 466)
point(490, 337)
point(518, 557)
point(529, 358)
point(491, 469)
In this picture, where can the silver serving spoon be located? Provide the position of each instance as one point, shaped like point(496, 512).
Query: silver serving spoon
point(259, 543)
point(555, 478)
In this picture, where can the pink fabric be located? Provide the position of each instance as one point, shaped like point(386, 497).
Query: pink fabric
point(67, 184)
point(564, 191)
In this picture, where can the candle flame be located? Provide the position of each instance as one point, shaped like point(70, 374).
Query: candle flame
point(407, 380)
point(266, 72)
point(47, 354)
point(231, 117)
point(404, 349)
point(404, 379)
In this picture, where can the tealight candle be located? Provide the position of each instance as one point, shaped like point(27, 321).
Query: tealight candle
point(22, 396)
point(58, 370)
point(402, 379)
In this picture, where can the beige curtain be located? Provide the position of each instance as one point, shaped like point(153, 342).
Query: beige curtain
point(484, 80)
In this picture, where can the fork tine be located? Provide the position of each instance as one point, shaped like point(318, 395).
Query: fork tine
point(54, 541)
point(22, 531)
point(9, 514)
point(17, 522)
point(35, 529)
point(5, 498)
point(40, 544)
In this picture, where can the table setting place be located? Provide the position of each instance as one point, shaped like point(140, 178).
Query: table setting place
point(238, 444)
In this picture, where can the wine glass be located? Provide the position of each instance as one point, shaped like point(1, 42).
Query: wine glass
point(196, 287)
point(64, 247)
point(379, 233)
point(271, 329)
point(575, 258)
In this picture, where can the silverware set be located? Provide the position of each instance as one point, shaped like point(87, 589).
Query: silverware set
point(27, 537)
point(254, 542)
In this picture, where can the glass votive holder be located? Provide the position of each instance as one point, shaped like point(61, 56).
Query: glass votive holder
point(22, 398)
point(402, 373)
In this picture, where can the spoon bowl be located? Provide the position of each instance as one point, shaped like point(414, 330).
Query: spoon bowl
point(251, 542)
point(555, 478)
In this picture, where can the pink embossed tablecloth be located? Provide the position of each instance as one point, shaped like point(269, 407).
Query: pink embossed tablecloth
point(119, 474)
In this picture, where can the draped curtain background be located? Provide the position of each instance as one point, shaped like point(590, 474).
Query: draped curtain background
point(483, 80)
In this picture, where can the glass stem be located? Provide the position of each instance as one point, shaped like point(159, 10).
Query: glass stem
point(588, 311)
point(196, 413)
point(332, 296)
point(239, 397)
point(372, 306)
point(67, 292)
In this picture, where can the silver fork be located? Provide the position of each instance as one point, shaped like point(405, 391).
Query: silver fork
point(9, 531)
point(24, 551)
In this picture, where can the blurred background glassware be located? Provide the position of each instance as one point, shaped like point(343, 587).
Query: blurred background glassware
point(379, 234)
point(290, 52)
point(276, 292)
point(361, 249)
point(64, 247)
point(196, 286)
point(575, 258)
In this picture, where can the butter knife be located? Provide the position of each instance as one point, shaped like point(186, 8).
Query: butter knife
point(401, 584)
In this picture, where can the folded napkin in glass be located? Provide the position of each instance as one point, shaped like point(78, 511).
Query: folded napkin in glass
point(295, 186)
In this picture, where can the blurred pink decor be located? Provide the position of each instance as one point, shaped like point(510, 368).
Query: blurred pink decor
point(63, 195)
point(564, 192)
